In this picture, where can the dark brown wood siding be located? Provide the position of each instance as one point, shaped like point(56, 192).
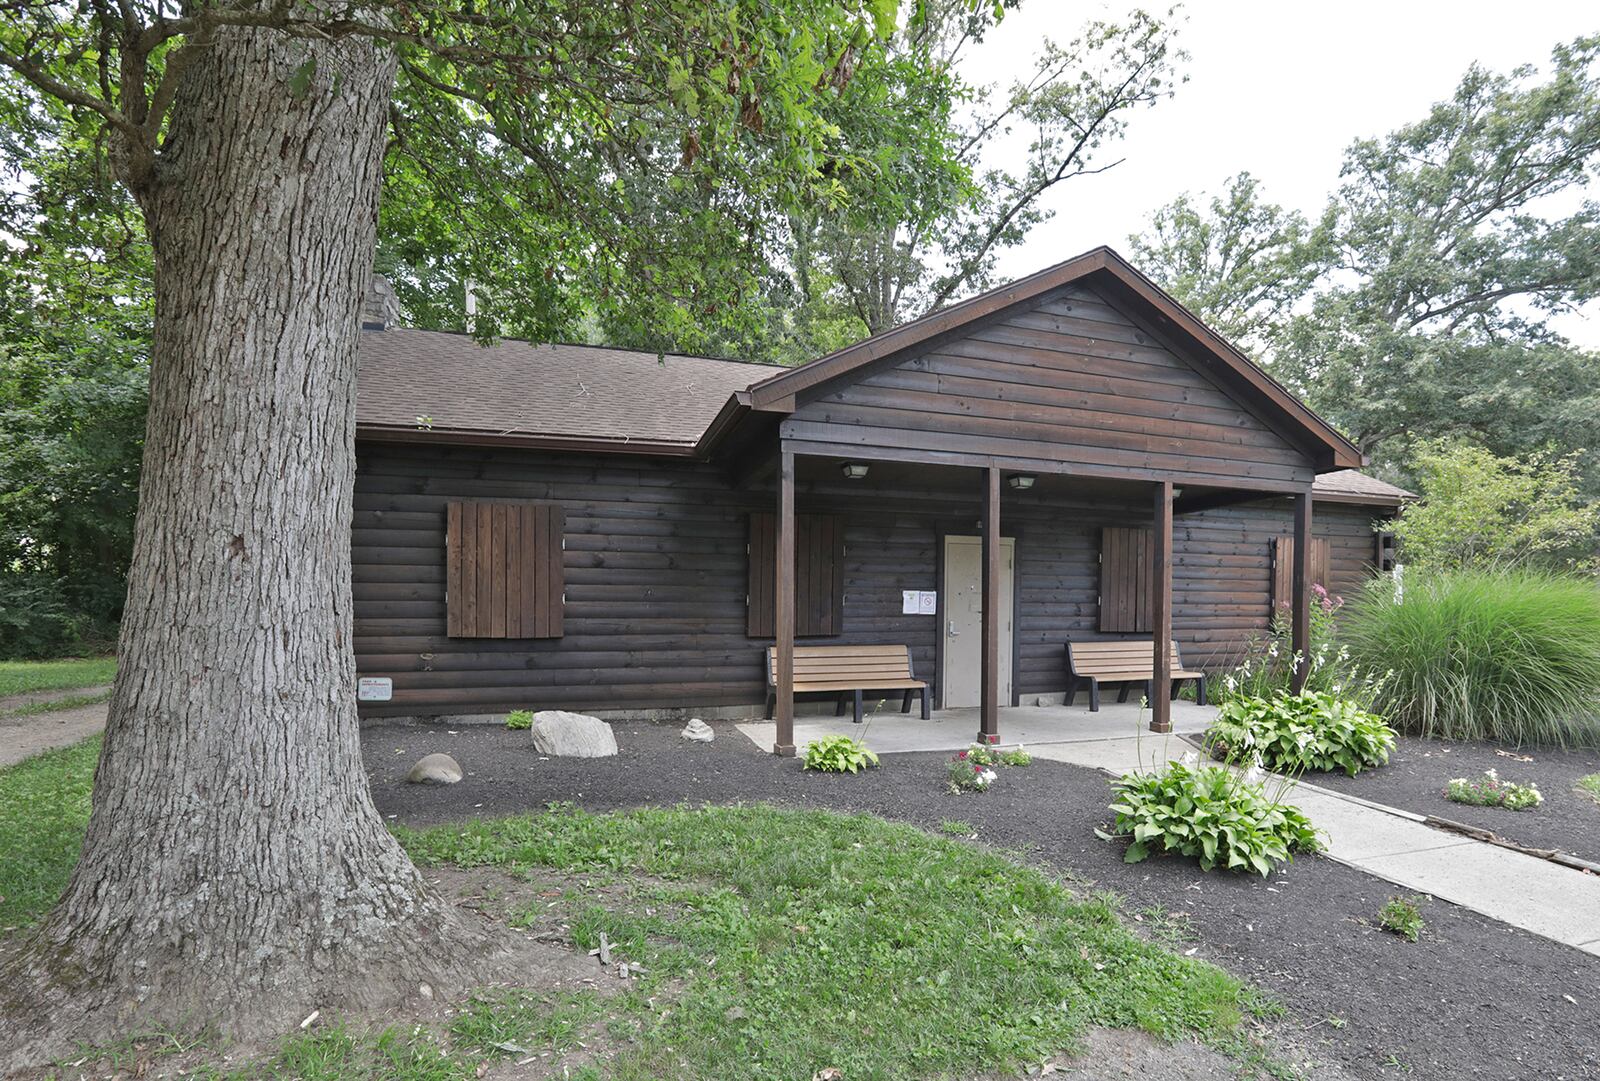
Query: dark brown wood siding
point(1125, 596)
point(818, 575)
point(656, 574)
point(1072, 385)
point(504, 573)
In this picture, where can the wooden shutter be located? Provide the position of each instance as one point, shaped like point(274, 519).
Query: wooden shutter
point(504, 576)
point(1283, 568)
point(1125, 579)
point(818, 576)
point(1385, 556)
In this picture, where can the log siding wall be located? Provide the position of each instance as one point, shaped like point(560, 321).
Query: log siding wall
point(1071, 385)
point(656, 576)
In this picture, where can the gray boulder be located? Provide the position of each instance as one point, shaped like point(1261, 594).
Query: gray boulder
point(572, 735)
point(698, 731)
point(435, 769)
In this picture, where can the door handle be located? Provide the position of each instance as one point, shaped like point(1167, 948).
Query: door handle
point(952, 631)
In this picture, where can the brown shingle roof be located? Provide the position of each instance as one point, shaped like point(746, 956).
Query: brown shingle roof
point(1354, 486)
point(593, 393)
point(518, 388)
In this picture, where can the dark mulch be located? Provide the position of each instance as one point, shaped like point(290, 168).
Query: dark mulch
point(1473, 998)
point(1419, 769)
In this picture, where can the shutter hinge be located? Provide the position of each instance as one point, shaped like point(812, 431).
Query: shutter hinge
point(747, 600)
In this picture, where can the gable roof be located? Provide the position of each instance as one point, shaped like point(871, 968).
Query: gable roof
point(518, 392)
point(1107, 269)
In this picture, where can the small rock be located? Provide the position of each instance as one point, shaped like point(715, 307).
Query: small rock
point(435, 769)
point(572, 735)
point(699, 731)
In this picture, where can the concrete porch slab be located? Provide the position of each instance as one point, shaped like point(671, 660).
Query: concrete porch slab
point(892, 732)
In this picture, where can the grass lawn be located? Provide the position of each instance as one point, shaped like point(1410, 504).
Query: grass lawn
point(24, 677)
point(44, 807)
point(776, 943)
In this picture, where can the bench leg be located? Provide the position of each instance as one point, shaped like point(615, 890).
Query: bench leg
point(1176, 684)
point(1094, 695)
point(926, 715)
point(858, 706)
point(1150, 692)
point(838, 705)
point(1200, 691)
point(905, 701)
point(1072, 691)
point(1122, 692)
point(772, 702)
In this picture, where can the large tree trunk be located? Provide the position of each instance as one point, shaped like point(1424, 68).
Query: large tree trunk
point(235, 875)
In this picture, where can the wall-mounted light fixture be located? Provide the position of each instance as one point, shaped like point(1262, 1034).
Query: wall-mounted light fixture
point(1021, 481)
point(854, 470)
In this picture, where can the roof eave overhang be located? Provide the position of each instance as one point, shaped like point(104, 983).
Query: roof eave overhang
point(465, 437)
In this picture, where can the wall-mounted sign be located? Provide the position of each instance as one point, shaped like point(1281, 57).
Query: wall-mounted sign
point(919, 602)
point(374, 689)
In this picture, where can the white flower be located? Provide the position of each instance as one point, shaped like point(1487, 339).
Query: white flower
point(1491, 774)
point(1189, 760)
point(1254, 774)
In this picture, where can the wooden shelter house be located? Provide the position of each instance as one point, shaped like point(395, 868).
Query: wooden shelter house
point(1073, 456)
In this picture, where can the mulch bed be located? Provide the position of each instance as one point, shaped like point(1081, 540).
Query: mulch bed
point(1473, 998)
point(1415, 779)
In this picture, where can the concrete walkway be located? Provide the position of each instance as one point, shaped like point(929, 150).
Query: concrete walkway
point(1538, 896)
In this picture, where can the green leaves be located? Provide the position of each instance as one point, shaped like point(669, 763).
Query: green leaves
point(838, 754)
point(1312, 731)
point(1209, 813)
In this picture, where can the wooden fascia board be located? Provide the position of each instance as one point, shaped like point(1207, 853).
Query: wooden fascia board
point(459, 437)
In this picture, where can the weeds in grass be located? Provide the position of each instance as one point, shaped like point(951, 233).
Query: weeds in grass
point(1401, 916)
point(1589, 786)
point(955, 827)
point(519, 720)
point(1490, 791)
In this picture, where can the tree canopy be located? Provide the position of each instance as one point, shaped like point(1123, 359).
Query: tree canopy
point(1418, 304)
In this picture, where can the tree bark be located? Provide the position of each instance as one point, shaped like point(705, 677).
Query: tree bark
point(235, 874)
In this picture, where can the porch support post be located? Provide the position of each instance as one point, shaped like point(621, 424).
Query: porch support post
point(989, 719)
point(1300, 617)
point(1161, 609)
point(783, 609)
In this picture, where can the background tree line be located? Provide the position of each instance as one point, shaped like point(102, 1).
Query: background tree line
point(1415, 307)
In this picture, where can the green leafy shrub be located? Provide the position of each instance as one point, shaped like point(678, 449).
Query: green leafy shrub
point(1314, 731)
point(964, 773)
point(519, 719)
point(838, 754)
point(1269, 663)
point(1220, 816)
point(1511, 655)
point(1490, 791)
point(982, 755)
point(1401, 916)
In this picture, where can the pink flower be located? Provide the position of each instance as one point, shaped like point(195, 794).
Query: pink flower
point(961, 754)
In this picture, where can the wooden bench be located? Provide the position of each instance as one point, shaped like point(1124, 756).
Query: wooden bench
point(1126, 662)
point(849, 670)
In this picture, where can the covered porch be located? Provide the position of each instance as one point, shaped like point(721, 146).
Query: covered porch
point(891, 732)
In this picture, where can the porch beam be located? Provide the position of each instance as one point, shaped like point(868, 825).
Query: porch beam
point(989, 713)
point(783, 609)
point(1300, 615)
point(1161, 609)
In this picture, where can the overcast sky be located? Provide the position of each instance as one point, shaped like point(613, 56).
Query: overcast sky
point(1279, 89)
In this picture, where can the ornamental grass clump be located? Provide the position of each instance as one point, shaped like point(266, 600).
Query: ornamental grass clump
point(1294, 733)
point(838, 754)
point(1220, 816)
point(1511, 656)
point(1490, 791)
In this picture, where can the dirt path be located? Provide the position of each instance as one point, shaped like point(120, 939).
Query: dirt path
point(24, 737)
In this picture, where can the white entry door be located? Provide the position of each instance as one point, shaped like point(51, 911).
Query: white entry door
point(962, 588)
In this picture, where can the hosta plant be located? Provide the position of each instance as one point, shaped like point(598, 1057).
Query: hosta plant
point(1490, 791)
point(1220, 816)
point(1293, 733)
point(838, 754)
